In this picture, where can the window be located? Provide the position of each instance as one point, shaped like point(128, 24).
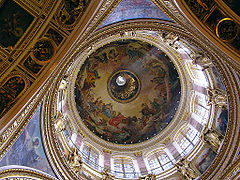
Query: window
point(90, 156)
point(185, 144)
point(159, 162)
point(124, 168)
point(193, 135)
point(200, 108)
point(187, 139)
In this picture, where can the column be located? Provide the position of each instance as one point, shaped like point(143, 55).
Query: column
point(64, 108)
point(107, 159)
point(172, 149)
point(193, 122)
point(78, 141)
point(199, 89)
point(141, 163)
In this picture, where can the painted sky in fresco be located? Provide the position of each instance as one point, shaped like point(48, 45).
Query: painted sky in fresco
point(133, 9)
point(28, 150)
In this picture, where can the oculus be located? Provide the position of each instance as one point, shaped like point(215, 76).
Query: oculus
point(127, 91)
point(123, 86)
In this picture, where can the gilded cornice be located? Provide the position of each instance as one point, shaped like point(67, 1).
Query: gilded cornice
point(21, 172)
point(232, 171)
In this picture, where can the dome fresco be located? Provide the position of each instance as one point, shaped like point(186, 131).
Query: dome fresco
point(120, 89)
point(127, 91)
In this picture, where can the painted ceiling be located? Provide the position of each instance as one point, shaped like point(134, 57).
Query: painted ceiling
point(131, 112)
point(36, 31)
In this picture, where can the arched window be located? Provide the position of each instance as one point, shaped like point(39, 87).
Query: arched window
point(90, 156)
point(187, 139)
point(159, 162)
point(124, 168)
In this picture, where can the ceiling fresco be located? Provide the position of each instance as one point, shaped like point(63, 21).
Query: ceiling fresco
point(14, 21)
point(71, 12)
point(223, 24)
point(234, 5)
point(28, 149)
point(127, 91)
point(135, 9)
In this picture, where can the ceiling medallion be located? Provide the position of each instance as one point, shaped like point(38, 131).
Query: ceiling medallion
point(123, 86)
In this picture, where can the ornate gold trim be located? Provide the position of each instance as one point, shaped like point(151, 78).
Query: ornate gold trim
point(23, 173)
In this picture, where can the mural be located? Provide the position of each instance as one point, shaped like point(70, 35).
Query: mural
point(200, 8)
point(14, 21)
point(54, 35)
point(10, 91)
point(32, 65)
point(28, 149)
point(135, 9)
point(225, 28)
point(222, 120)
point(134, 120)
point(43, 50)
point(234, 5)
point(205, 159)
point(71, 11)
point(217, 78)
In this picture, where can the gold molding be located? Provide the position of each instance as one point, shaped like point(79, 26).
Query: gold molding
point(26, 173)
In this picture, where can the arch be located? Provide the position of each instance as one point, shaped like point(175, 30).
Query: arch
point(22, 172)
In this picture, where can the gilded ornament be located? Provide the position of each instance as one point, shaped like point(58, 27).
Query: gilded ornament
point(212, 137)
point(217, 97)
point(226, 29)
point(106, 175)
point(185, 169)
point(128, 90)
point(43, 50)
point(148, 177)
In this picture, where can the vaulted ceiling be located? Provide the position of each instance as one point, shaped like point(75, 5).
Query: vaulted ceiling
point(39, 37)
